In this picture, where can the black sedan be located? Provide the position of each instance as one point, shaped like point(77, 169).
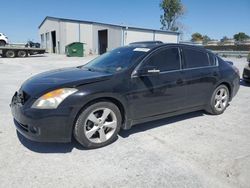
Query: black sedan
point(124, 87)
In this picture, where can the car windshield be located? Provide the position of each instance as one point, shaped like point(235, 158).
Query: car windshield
point(117, 60)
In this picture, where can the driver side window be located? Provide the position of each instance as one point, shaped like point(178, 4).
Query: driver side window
point(165, 59)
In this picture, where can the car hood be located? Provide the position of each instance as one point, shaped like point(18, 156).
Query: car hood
point(67, 77)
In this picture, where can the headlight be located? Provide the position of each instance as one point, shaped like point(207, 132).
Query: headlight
point(51, 100)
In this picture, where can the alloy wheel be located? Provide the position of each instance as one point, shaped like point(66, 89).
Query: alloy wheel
point(221, 99)
point(100, 125)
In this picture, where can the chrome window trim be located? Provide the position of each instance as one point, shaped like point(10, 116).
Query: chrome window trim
point(181, 70)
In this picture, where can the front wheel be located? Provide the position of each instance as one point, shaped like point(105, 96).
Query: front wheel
point(219, 100)
point(98, 125)
point(2, 43)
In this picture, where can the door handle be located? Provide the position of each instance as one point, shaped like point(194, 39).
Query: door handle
point(215, 73)
point(179, 81)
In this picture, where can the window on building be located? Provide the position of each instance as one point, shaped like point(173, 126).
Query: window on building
point(195, 58)
point(165, 60)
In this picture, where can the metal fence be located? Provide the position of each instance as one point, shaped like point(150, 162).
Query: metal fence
point(238, 54)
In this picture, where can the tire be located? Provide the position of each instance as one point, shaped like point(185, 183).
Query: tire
point(22, 53)
point(219, 100)
point(10, 54)
point(2, 43)
point(98, 125)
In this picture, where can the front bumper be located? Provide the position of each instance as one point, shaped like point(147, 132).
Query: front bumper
point(246, 74)
point(43, 125)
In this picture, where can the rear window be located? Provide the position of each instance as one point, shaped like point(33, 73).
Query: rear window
point(195, 58)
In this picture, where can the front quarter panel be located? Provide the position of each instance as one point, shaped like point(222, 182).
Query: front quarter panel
point(114, 88)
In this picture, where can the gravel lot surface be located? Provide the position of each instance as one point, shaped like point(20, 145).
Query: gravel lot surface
point(191, 150)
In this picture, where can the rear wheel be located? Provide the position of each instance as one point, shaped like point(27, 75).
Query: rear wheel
point(219, 100)
point(98, 125)
point(10, 53)
point(22, 53)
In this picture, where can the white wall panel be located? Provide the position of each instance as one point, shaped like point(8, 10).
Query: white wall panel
point(72, 30)
point(166, 38)
point(137, 36)
point(86, 36)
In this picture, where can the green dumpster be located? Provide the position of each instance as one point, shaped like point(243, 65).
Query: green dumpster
point(75, 49)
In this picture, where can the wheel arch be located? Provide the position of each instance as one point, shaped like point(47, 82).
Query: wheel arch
point(229, 87)
point(114, 100)
point(3, 41)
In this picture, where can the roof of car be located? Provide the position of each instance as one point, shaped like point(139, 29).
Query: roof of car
point(156, 44)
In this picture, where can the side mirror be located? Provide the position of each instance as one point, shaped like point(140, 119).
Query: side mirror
point(148, 71)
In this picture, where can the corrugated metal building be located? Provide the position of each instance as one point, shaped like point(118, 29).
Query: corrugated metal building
point(56, 33)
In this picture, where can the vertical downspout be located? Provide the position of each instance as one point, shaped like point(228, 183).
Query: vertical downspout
point(59, 38)
point(79, 32)
point(122, 36)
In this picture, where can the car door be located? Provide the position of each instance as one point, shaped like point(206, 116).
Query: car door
point(200, 73)
point(156, 94)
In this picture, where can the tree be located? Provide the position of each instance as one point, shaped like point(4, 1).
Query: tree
point(172, 10)
point(197, 37)
point(241, 36)
point(224, 39)
point(206, 39)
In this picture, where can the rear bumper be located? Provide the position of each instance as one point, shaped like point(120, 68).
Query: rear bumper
point(236, 86)
point(246, 74)
point(43, 125)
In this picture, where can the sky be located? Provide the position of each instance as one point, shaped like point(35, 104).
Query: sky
point(19, 19)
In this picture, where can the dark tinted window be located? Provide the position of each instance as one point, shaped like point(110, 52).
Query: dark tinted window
point(165, 60)
point(212, 59)
point(195, 58)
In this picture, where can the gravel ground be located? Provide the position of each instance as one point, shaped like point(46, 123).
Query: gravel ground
point(191, 150)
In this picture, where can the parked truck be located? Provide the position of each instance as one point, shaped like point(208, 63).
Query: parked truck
point(3, 39)
point(12, 50)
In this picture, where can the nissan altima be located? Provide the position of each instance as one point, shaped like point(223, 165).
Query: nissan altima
point(121, 88)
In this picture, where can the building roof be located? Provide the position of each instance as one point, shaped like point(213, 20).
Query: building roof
point(99, 23)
